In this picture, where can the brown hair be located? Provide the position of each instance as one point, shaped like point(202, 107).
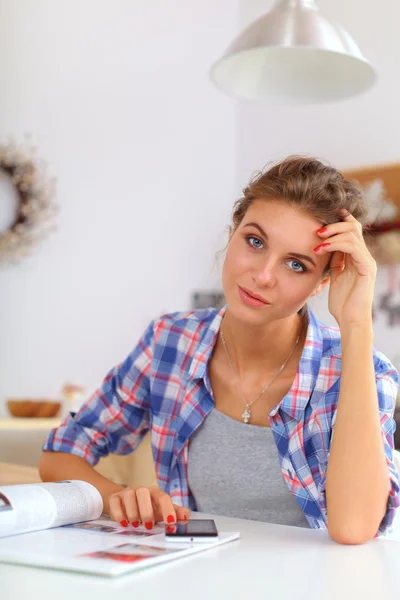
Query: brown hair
point(308, 184)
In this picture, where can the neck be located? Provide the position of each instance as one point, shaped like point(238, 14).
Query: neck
point(253, 348)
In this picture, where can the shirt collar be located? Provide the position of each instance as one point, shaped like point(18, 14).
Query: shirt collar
point(205, 348)
point(295, 401)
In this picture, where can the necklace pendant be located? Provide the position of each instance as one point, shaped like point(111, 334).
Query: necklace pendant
point(246, 415)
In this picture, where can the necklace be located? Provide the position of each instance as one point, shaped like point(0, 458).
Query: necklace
point(247, 415)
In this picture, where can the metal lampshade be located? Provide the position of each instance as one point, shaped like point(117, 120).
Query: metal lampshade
point(293, 55)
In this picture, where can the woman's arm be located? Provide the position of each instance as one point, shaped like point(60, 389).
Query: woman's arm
point(56, 466)
point(357, 483)
point(357, 479)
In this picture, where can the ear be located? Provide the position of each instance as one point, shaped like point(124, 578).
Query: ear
point(321, 286)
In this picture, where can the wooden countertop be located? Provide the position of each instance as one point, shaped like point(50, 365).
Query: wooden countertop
point(11, 474)
point(14, 423)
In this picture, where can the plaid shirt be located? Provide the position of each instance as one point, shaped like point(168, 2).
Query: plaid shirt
point(163, 387)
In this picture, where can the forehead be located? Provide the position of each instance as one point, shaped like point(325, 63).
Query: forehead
point(276, 213)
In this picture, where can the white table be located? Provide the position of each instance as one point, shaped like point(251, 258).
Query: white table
point(269, 561)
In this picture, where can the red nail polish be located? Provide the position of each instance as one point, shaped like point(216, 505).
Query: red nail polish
point(170, 519)
point(149, 525)
point(170, 529)
point(185, 517)
point(124, 523)
point(321, 246)
point(136, 523)
point(322, 230)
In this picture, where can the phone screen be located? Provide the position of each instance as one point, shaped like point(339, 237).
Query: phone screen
point(192, 530)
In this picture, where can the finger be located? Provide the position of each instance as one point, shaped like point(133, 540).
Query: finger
point(163, 508)
point(128, 497)
point(117, 511)
point(347, 236)
point(345, 214)
point(182, 513)
point(145, 507)
point(344, 246)
point(341, 227)
point(337, 262)
point(349, 218)
point(347, 244)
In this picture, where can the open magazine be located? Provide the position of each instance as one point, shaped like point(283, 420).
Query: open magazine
point(29, 507)
point(65, 532)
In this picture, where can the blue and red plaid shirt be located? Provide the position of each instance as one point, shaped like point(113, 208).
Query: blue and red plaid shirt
point(163, 387)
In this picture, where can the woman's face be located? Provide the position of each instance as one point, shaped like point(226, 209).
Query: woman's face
point(271, 255)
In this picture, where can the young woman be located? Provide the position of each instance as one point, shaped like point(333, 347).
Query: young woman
point(258, 410)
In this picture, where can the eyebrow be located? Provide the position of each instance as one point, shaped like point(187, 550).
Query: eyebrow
point(295, 254)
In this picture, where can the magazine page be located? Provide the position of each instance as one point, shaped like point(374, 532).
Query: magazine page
point(100, 548)
point(107, 525)
point(31, 507)
point(132, 556)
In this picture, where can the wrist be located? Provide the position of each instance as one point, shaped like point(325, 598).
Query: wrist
point(360, 330)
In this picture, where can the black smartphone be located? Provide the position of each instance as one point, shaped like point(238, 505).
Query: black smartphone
point(196, 530)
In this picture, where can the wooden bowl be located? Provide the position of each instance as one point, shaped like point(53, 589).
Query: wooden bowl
point(33, 408)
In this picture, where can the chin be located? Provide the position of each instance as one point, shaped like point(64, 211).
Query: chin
point(247, 314)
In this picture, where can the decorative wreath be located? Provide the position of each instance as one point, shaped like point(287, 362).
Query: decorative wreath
point(36, 207)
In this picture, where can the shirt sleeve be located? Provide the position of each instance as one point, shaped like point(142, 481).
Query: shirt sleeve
point(387, 382)
point(116, 417)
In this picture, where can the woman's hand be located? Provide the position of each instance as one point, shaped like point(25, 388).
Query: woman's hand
point(144, 505)
point(352, 271)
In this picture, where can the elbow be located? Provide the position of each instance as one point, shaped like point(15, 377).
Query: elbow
point(356, 526)
point(44, 466)
point(349, 538)
point(352, 534)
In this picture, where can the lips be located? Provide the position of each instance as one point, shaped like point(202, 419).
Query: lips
point(253, 295)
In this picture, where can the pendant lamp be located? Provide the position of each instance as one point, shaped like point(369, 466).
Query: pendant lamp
point(293, 55)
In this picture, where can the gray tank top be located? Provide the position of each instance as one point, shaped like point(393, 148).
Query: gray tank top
point(234, 470)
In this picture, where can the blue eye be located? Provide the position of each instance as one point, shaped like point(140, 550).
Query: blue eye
point(254, 241)
point(298, 264)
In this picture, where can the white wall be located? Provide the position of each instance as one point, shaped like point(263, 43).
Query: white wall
point(117, 96)
point(358, 132)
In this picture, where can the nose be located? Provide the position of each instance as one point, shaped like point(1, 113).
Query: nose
point(265, 275)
